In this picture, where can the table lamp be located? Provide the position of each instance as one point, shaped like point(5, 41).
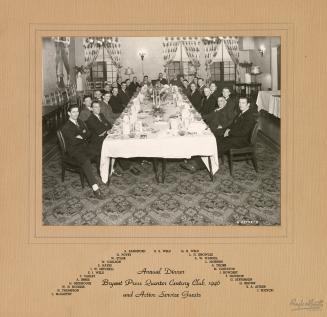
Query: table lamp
point(255, 70)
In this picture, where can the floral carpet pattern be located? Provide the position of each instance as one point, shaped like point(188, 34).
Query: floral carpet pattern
point(247, 198)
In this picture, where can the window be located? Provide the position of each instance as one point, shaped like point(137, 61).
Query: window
point(103, 69)
point(181, 68)
point(98, 71)
point(223, 71)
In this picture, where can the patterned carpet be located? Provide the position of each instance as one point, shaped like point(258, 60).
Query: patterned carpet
point(247, 198)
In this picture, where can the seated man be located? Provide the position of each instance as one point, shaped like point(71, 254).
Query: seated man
point(76, 135)
point(105, 89)
point(220, 118)
point(97, 95)
point(208, 103)
point(98, 125)
point(201, 85)
point(118, 82)
point(238, 133)
point(236, 136)
point(123, 93)
point(213, 90)
point(195, 97)
point(163, 81)
point(185, 88)
point(115, 102)
point(231, 101)
point(86, 108)
point(133, 86)
point(174, 81)
point(105, 108)
point(146, 81)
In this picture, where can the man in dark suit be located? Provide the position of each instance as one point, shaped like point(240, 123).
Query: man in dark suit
point(98, 125)
point(208, 103)
point(220, 118)
point(106, 110)
point(231, 101)
point(174, 81)
point(124, 95)
point(163, 81)
point(237, 135)
point(115, 102)
point(97, 95)
point(76, 135)
point(195, 97)
point(213, 90)
point(86, 109)
point(201, 85)
point(185, 88)
point(133, 86)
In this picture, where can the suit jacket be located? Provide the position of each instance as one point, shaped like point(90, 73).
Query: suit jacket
point(186, 91)
point(106, 109)
point(98, 127)
point(207, 105)
point(163, 81)
point(195, 99)
point(242, 125)
point(132, 88)
point(200, 89)
point(116, 104)
point(174, 82)
point(84, 114)
point(76, 147)
point(124, 97)
point(223, 117)
point(232, 103)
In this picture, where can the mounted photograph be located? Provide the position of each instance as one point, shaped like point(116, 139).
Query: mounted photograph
point(161, 131)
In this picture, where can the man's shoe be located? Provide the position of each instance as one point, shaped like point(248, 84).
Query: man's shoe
point(97, 193)
point(135, 171)
point(117, 173)
point(189, 167)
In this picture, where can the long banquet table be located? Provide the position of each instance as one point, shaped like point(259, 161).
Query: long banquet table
point(157, 139)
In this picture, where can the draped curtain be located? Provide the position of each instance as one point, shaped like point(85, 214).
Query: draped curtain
point(234, 52)
point(191, 45)
point(169, 51)
point(210, 50)
point(113, 48)
point(62, 58)
point(91, 52)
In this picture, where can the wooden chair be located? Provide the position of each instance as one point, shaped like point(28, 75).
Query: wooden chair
point(67, 163)
point(245, 153)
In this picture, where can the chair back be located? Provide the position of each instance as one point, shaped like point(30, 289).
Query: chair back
point(61, 142)
point(254, 134)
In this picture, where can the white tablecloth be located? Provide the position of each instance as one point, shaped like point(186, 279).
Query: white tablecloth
point(270, 102)
point(161, 141)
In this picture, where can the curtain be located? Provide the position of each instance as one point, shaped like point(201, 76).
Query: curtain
point(170, 47)
point(113, 48)
point(234, 52)
point(210, 50)
point(191, 45)
point(61, 59)
point(91, 52)
point(192, 48)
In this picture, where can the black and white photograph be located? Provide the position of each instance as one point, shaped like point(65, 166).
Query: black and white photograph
point(161, 131)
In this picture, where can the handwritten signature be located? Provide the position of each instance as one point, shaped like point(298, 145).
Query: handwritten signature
point(310, 304)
